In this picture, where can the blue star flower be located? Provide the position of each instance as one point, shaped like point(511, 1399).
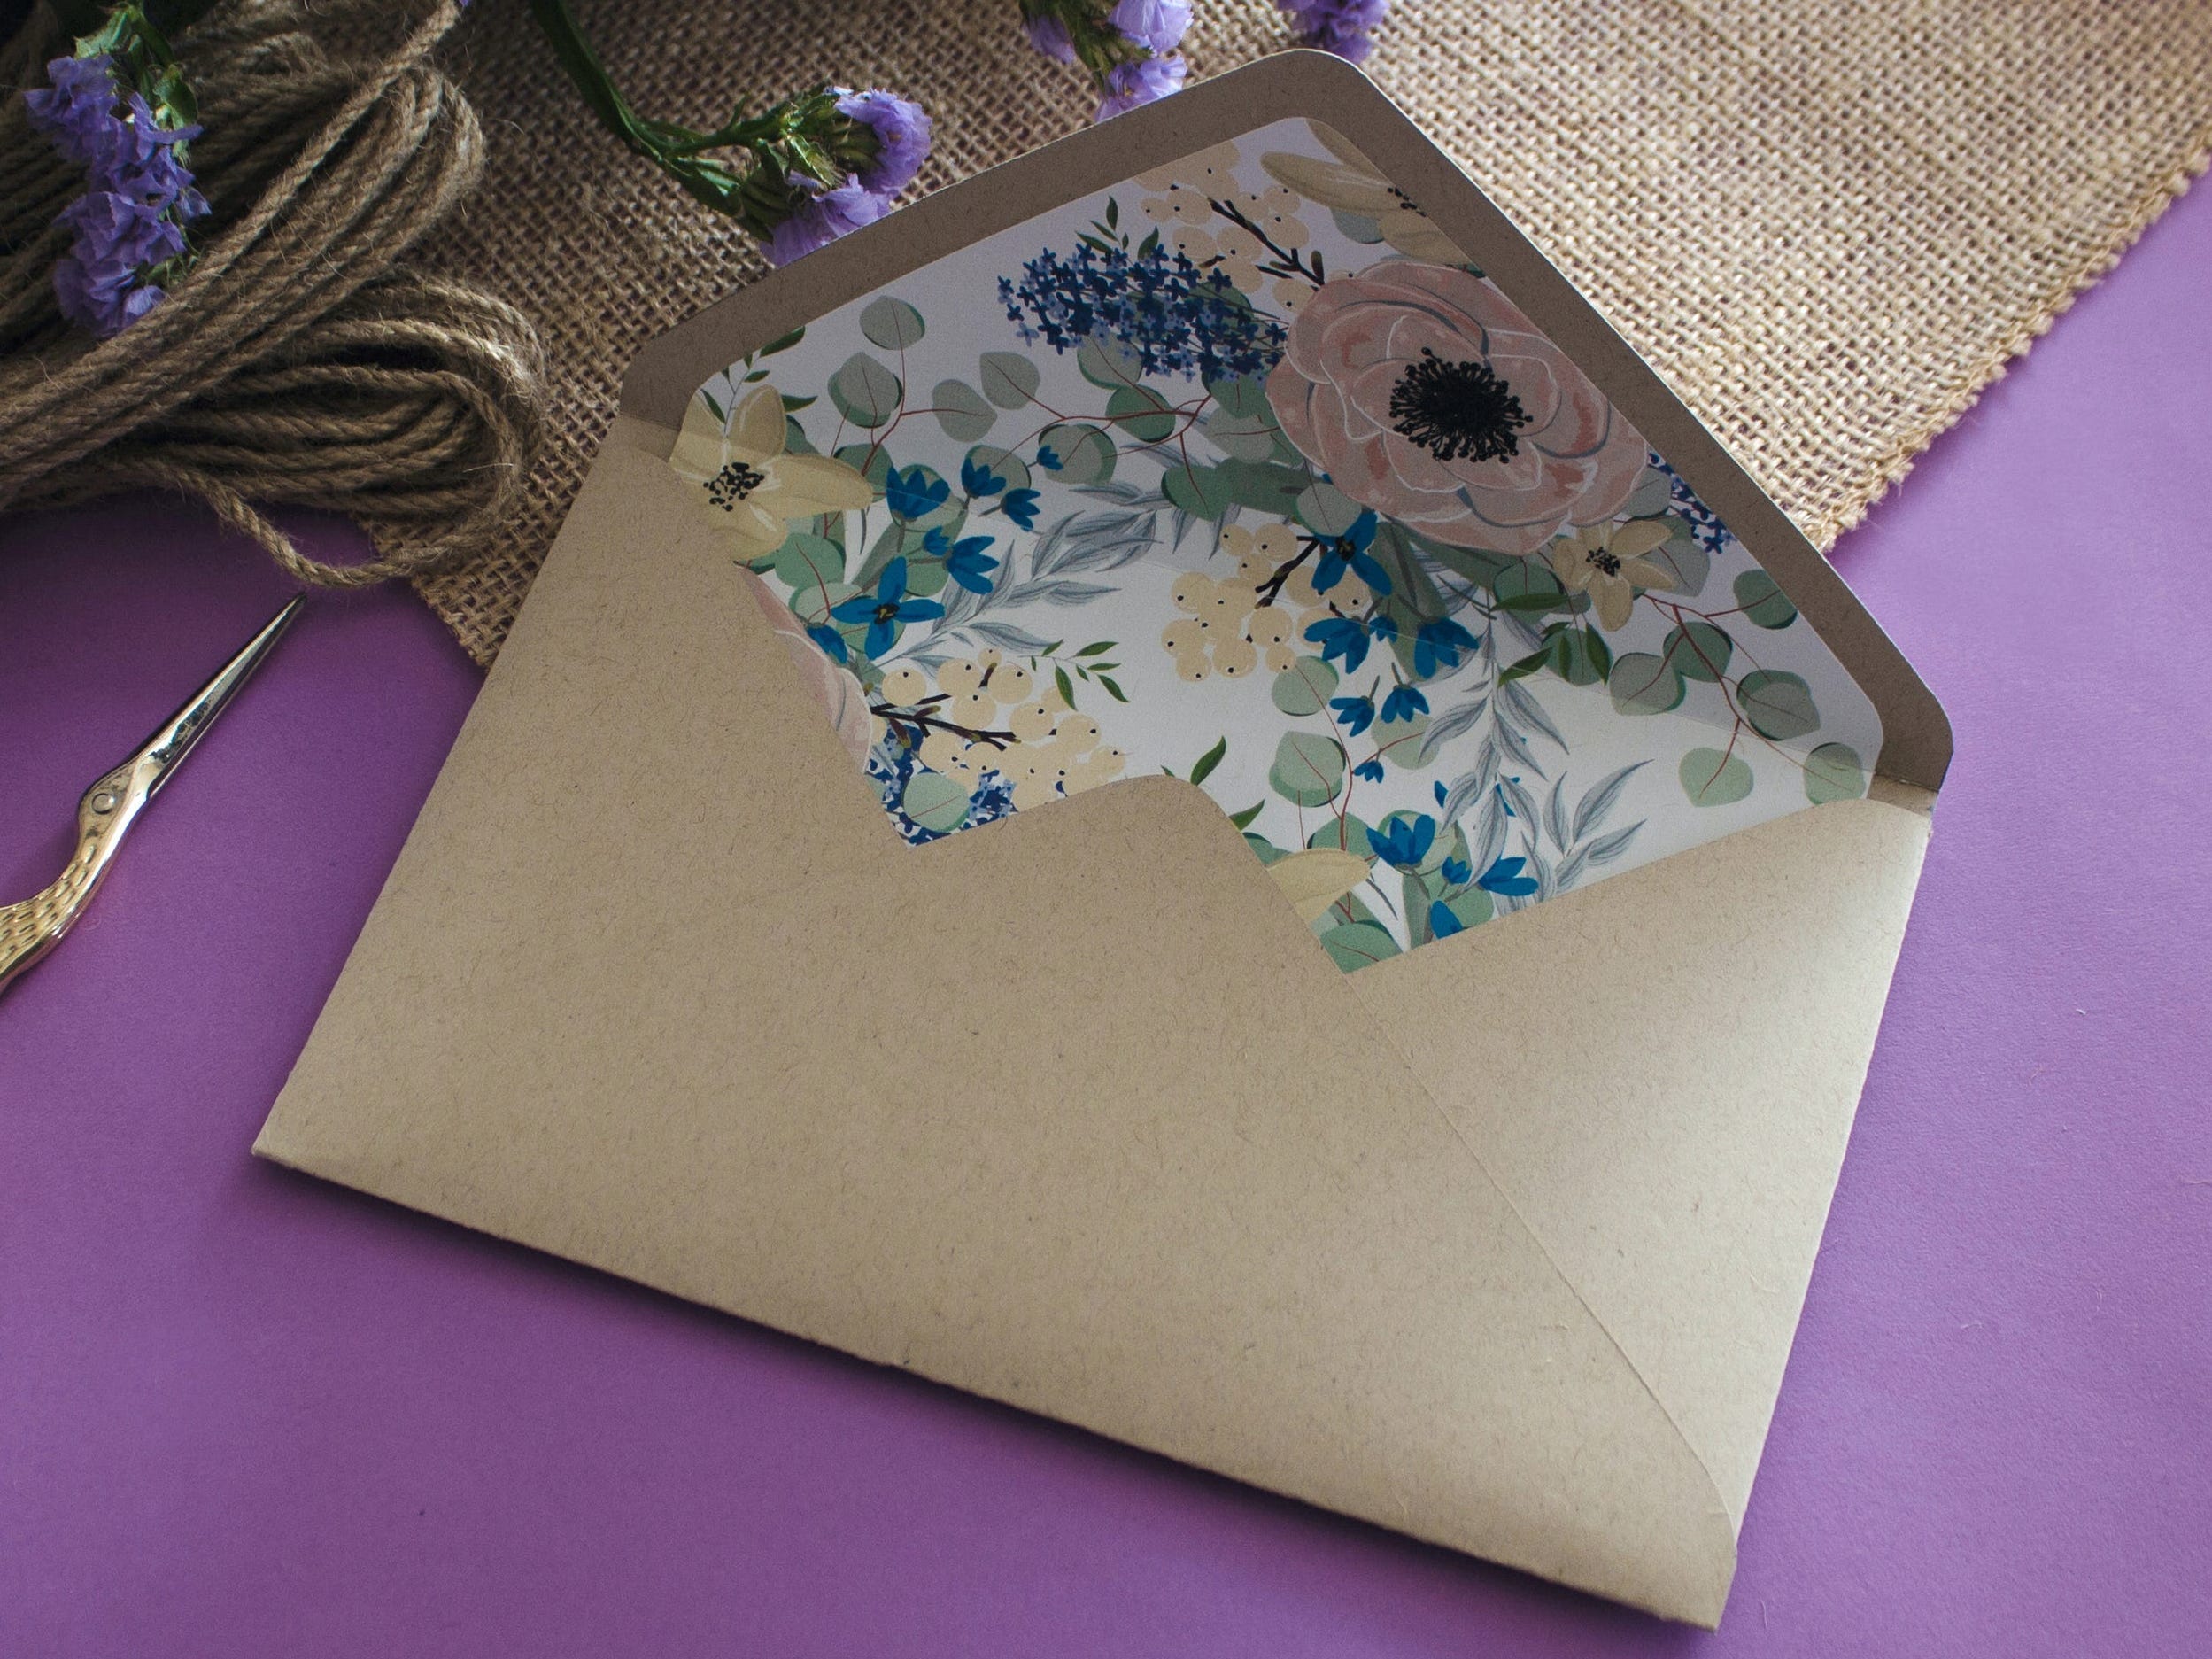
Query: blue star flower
point(886, 608)
point(1349, 552)
point(1442, 794)
point(1048, 458)
point(1371, 769)
point(831, 640)
point(1457, 871)
point(1505, 876)
point(1021, 507)
point(1340, 636)
point(1403, 843)
point(1356, 713)
point(964, 561)
point(912, 494)
point(1442, 922)
point(1440, 642)
point(1402, 704)
point(979, 480)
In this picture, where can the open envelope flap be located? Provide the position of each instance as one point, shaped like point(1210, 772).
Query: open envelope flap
point(1089, 1148)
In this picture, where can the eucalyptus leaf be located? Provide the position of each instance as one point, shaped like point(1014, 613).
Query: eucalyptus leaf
point(1243, 436)
point(1200, 491)
point(1325, 509)
point(808, 561)
point(1713, 778)
point(1642, 683)
point(1834, 772)
point(965, 414)
point(1309, 769)
point(1698, 650)
point(1778, 705)
point(1762, 601)
point(865, 391)
point(1009, 379)
point(1304, 688)
point(1140, 411)
point(934, 802)
point(1004, 462)
point(891, 323)
point(1087, 455)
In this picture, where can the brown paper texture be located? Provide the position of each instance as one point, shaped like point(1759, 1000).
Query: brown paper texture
point(1105, 1168)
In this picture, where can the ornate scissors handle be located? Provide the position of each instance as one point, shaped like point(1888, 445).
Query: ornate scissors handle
point(28, 930)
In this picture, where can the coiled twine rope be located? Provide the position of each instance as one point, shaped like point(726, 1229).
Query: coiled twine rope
point(296, 362)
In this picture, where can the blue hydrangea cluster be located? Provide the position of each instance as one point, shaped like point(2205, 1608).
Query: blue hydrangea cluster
point(129, 224)
point(1174, 317)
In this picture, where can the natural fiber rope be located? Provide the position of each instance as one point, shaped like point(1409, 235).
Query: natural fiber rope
point(295, 362)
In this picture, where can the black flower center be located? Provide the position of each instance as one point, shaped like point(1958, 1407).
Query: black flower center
point(733, 484)
point(1604, 560)
point(1457, 411)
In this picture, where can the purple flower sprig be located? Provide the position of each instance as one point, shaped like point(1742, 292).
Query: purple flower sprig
point(797, 175)
point(1337, 25)
point(1129, 46)
point(120, 108)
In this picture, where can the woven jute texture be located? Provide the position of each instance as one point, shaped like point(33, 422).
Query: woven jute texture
point(1829, 223)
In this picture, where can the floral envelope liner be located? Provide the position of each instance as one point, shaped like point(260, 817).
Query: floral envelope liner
point(1240, 472)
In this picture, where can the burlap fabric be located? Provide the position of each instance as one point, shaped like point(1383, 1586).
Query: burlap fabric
point(1828, 223)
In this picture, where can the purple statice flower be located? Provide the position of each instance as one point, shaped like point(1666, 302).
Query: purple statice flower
point(1144, 82)
point(822, 216)
point(76, 110)
point(902, 138)
point(1337, 25)
point(1156, 25)
point(1049, 36)
point(139, 193)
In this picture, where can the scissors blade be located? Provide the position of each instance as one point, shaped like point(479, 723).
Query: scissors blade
point(173, 740)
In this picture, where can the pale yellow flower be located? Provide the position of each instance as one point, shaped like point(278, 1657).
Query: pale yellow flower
point(749, 487)
point(1351, 184)
point(1606, 561)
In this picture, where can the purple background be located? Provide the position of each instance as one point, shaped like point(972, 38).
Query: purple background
point(243, 1413)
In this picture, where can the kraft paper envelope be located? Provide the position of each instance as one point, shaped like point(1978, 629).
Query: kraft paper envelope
point(818, 918)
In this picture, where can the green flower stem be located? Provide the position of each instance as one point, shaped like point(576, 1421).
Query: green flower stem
point(779, 142)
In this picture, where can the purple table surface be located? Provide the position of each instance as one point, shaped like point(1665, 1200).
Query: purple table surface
point(244, 1413)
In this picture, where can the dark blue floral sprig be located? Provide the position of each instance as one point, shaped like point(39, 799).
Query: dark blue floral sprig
point(1174, 317)
point(1127, 45)
point(1349, 552)
point(982, 483)
point(1341, 27)
point(886, 611)
point(120, 108)
point(965, 560)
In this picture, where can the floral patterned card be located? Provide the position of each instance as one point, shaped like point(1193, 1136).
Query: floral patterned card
point(1241, 472)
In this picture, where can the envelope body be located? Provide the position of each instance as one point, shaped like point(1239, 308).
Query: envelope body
point(1500, 1241)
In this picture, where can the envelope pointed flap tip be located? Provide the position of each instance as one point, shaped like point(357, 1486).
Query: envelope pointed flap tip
point(1663, 1081)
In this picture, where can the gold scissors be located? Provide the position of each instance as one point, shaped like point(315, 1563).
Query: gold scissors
point(112, 805)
